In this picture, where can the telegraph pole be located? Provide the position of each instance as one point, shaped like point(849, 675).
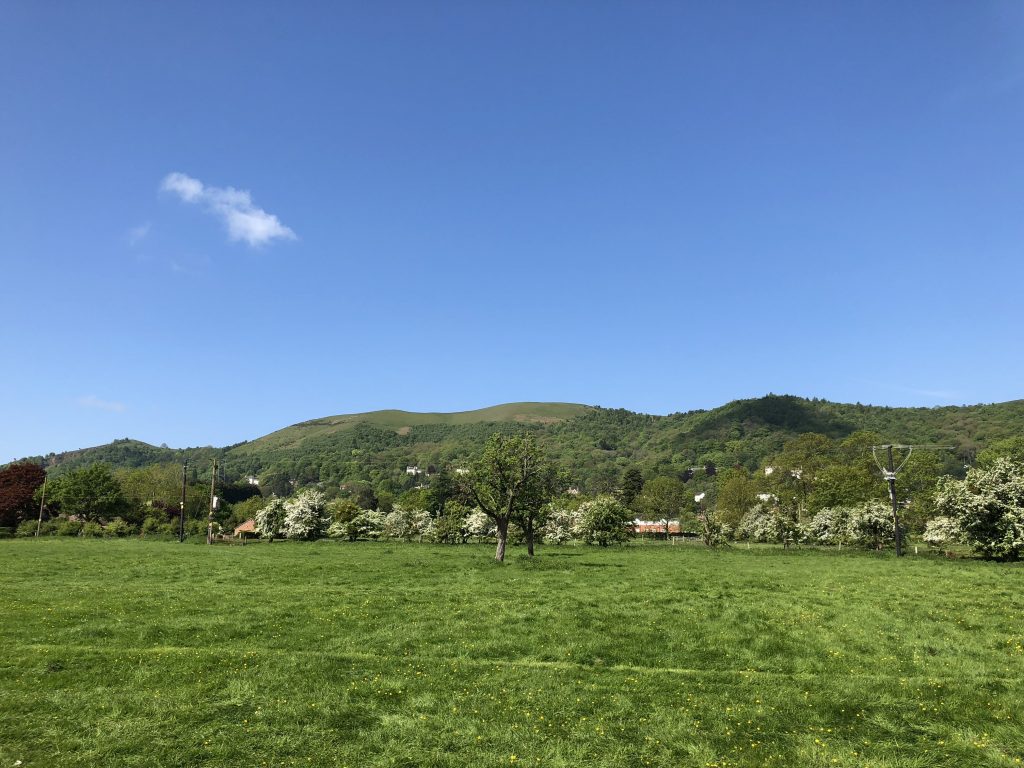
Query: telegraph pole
point(889, 472)
point(181, 511)
point(890, 476)
point(213, 502)
point(42, 501)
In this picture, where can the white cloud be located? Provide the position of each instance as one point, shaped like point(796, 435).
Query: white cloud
point(91, 401)
point(137, 234)
point(188, 189)
point(235, 207)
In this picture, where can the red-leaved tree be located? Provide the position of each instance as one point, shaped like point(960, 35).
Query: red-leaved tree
point(18, 484)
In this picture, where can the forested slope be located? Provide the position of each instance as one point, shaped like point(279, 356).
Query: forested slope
point(594, 444)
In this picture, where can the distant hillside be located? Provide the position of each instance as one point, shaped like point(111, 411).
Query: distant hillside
point(124, 454)
point(402, 422)
point(594, 444)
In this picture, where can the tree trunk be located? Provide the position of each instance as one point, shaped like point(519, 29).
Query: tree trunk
point(499, 553)
point(529, 536)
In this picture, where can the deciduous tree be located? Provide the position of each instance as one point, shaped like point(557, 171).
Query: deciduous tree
point(604, 520)
point(940, 532)
point(18, 484)
point(988, 506)
point(511, 482)
point(306, 516)
point(269, 521)
point(91, 493)
point(662, 499)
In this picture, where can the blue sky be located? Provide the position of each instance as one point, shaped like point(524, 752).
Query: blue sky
point(218, 219)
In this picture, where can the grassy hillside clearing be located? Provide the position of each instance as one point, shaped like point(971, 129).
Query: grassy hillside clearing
point(402, 421)
point(137, 653)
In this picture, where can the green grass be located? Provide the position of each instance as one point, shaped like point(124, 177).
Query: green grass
point(135, 653)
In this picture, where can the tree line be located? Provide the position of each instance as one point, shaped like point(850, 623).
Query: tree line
point(815, 490)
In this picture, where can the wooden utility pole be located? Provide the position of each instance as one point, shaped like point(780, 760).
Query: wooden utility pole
point(889, 472)
point(890, 476)
point(42, 502)
point(213, 501)
point(181, 511)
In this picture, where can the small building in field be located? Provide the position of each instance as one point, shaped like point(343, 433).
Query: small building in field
point(656, 526)
point(246, 529)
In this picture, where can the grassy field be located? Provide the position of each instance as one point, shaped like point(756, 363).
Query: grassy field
point(136, 653)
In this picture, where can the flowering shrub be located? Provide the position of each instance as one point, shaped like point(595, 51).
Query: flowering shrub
point(714, 532)
point(871, 525)
point(306, 516)
point(766, 523)
point(988, 507)
point(868, 524)
point(401, 523)
point(940, 532)
point(269, 520)
point(830, 526)
point(480, 526)
point(562, 523)
point(364, 524)
point(371, 523)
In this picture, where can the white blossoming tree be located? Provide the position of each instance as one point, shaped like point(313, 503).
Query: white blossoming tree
point(868, 524)
point(364, 524)
point(766, 523)
point(269, 520)
point(988, 507)
point(940, 532)
point(372, 522)
point(871, 524)
point(480, 526)
point(561, 523)
point(306, 516)
point(402, 523)
point(830, 526)
point(713, 531)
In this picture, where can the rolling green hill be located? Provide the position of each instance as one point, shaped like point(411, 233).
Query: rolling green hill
point(402, 422)
point(594, 444)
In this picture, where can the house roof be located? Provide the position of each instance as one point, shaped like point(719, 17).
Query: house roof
point(249, 526)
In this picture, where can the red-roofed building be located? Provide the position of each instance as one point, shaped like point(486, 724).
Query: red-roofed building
point(656, 526)
point(246, 529)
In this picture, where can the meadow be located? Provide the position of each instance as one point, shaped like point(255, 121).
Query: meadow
point(146, 653)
